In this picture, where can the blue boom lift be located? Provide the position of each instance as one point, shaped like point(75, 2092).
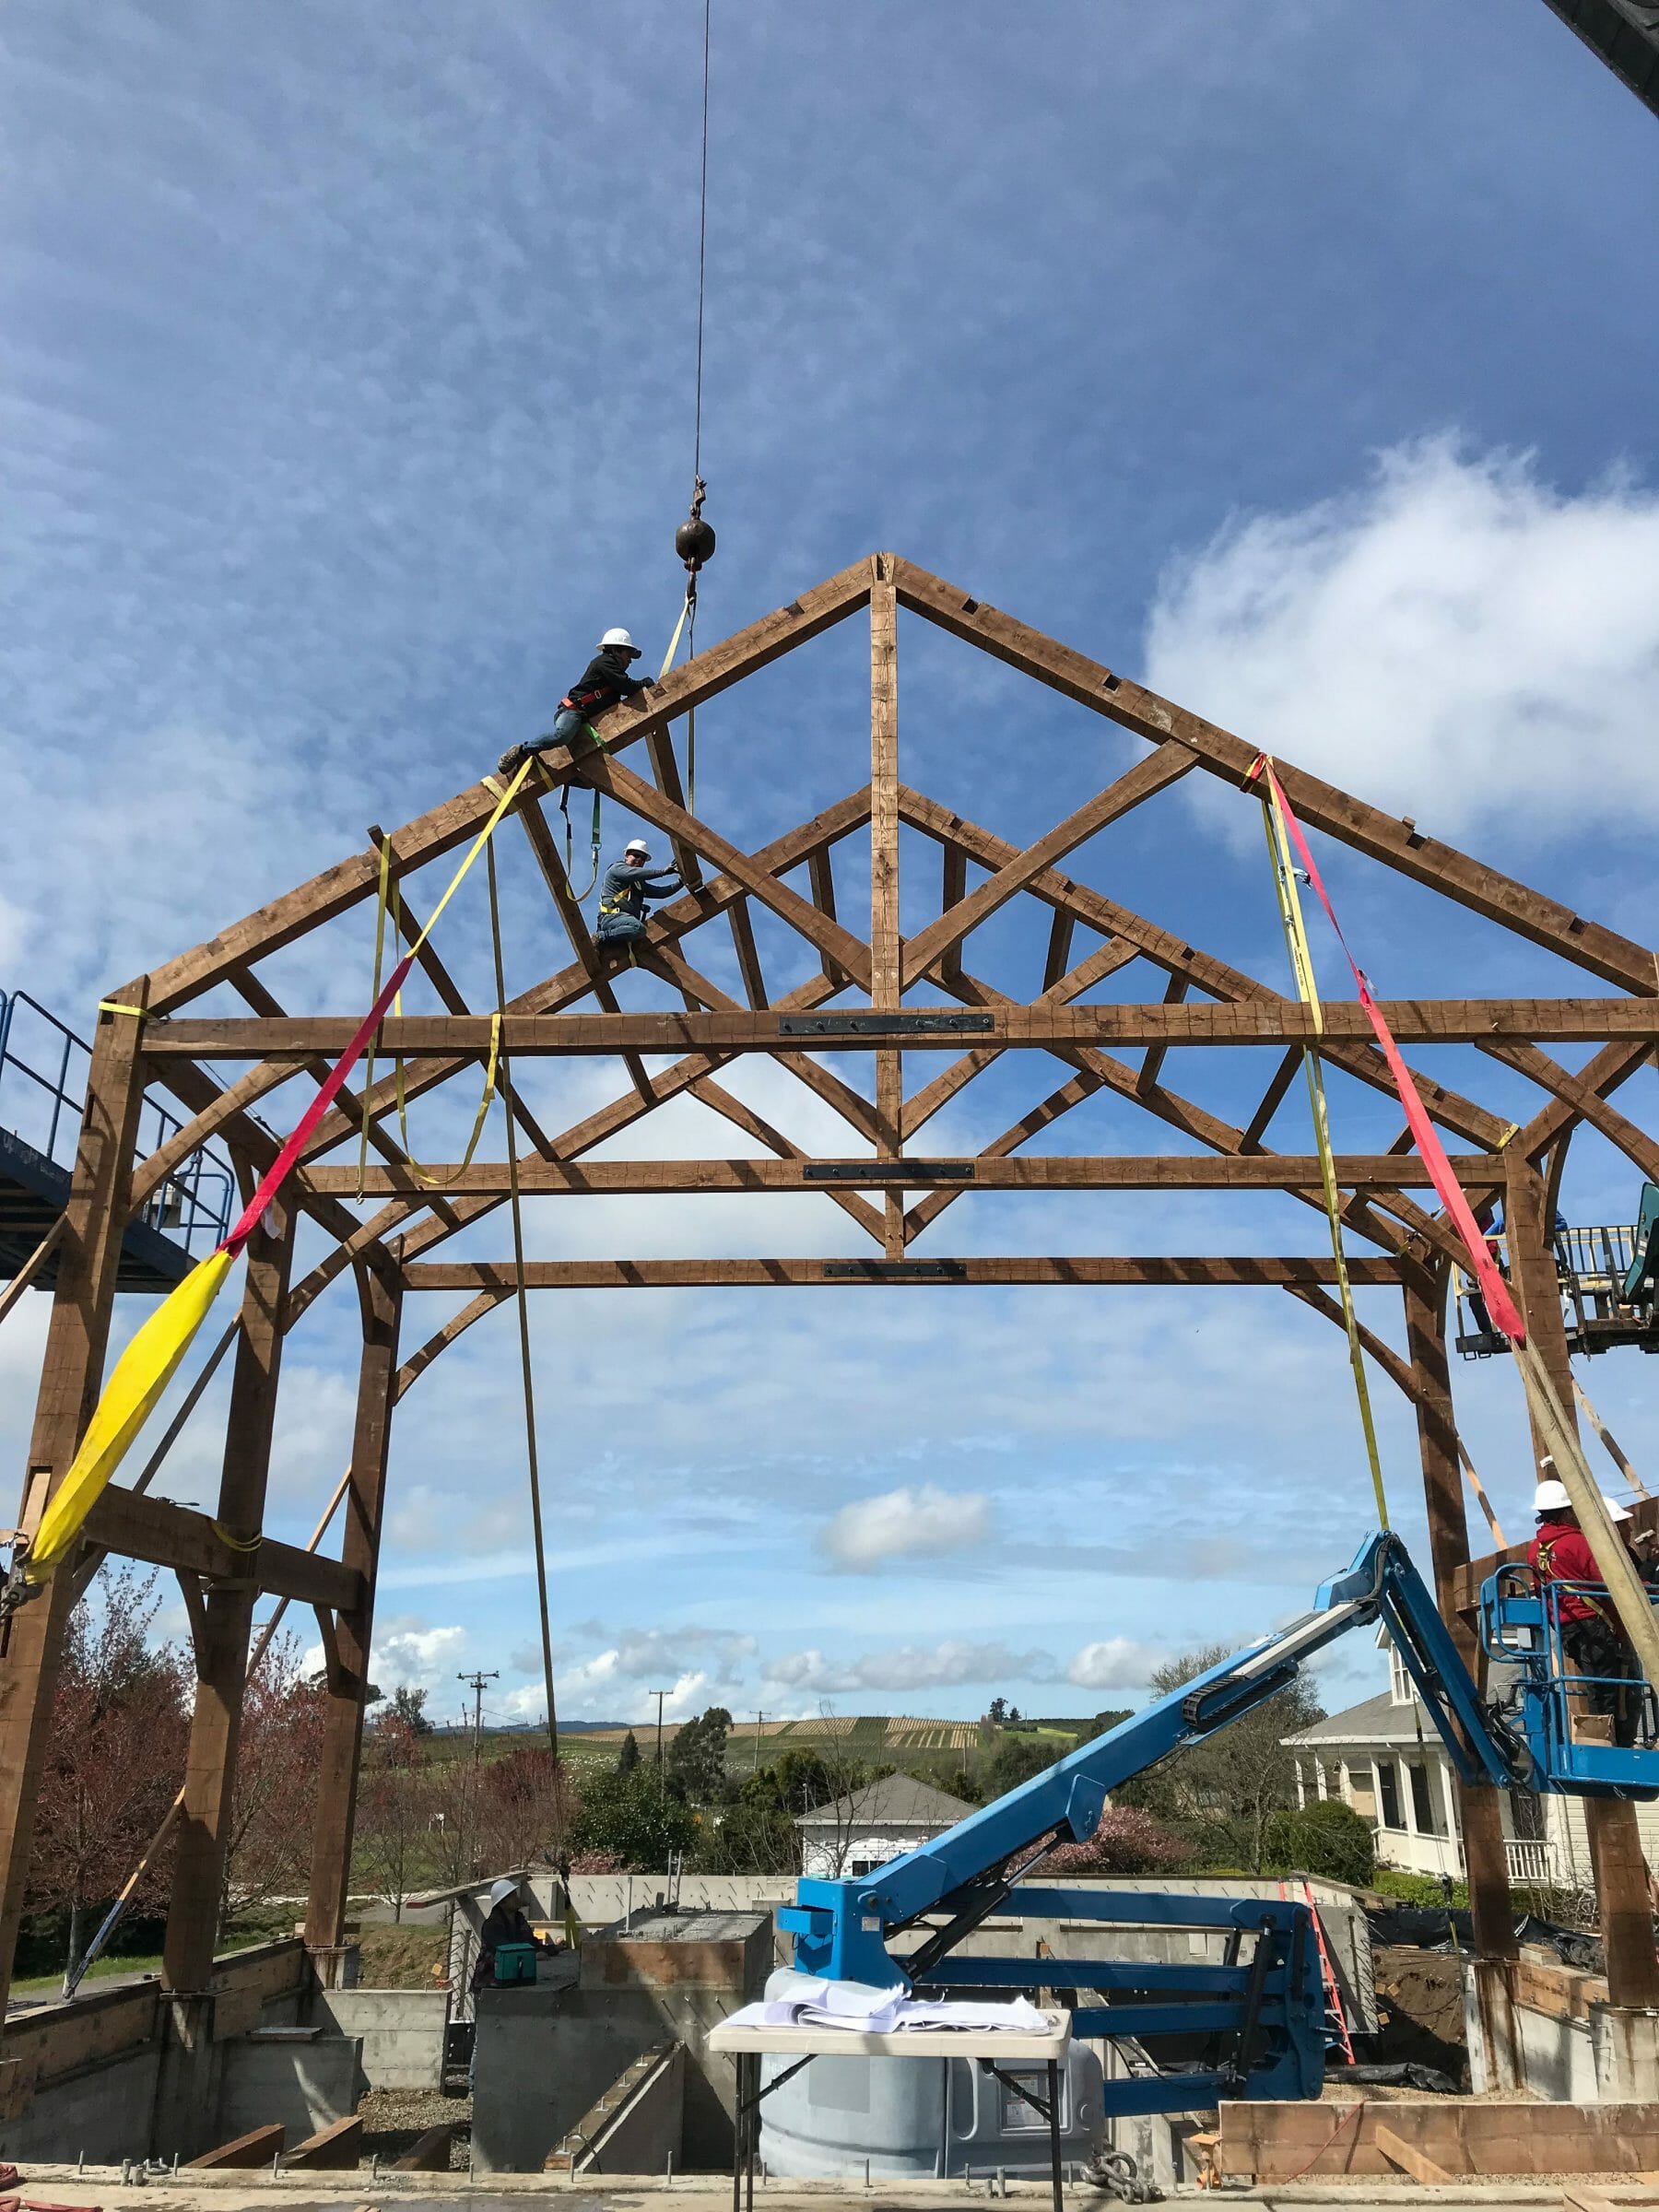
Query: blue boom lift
point(1263, 2017)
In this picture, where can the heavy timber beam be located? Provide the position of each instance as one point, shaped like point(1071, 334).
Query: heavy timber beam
point(348, 1668)
point(339, 889)
point(196, 1893)
point(497, 1275)
point(1395, 841)
point(1249, 1022)
point(1044, 1171)
point(1479, 1817)
point(1214, 977)
point(71, 1374)
point(164, 1534)
point(888, 954)
point(807, 841)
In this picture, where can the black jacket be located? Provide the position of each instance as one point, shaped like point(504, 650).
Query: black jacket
point(602, 682)
point(505, 1923)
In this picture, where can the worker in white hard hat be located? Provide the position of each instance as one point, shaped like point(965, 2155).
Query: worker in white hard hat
point(504, 1922)
point(623, 893)
point(1592, 1639)
point(603, 682)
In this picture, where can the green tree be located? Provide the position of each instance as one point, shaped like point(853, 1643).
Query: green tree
point(1222, 1792)
point(1103, 1723)
point(628, 1759)
point(696, 1760)
point(1014, 1758)
point(408, 1707)
point(1327, 1838)
point(633, 1819)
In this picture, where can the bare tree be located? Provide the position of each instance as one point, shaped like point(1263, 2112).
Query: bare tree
point(273, 1802)
point(119, 1723)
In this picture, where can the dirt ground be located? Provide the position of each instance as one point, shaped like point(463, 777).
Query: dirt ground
point(400, 1957)
point(1420, 1993)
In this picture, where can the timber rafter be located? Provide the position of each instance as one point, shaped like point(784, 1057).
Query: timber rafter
point(874, 1005)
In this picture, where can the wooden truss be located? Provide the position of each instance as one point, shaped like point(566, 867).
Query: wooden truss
point(896, 1000)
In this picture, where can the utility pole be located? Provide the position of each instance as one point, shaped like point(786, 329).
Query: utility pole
point(477, 1684)
point(755, 1762)
point(659, 1695)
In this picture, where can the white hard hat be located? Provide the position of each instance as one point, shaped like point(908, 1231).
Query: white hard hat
point(637, 844)
point(499, 1891)
point(1617, 1511)
point(1551, 1497)
point(617, 636)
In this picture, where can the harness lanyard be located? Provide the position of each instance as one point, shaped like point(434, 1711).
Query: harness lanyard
point(1301, 966)
point(564, 808)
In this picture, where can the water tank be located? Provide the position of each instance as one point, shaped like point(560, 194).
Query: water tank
point(921, 2118)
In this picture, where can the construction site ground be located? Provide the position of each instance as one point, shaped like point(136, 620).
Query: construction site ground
point(68, 2190)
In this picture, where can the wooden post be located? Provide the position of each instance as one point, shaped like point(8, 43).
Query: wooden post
point(884, 952)
point(71, 1375)
point(348, 1671)
point(1621, 1885)
point(1479, 1811)
point(221, 1640)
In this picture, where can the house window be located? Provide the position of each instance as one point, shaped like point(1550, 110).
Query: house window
point(1388, 1793)
point(1425, 1805)
point(860, 1867)
point(1399, 1681)
point(1362, 1789)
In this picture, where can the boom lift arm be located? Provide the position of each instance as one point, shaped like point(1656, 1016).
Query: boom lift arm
point(841, 1928)
point(949, 1887)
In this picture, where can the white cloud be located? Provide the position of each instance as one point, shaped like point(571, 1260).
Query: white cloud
point(1117, 1663)
point(407, 1652)
point(905, 1525)
point(935, 1667)
point(1439, 643)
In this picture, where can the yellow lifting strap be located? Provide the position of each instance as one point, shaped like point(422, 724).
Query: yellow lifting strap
point(1301, 967)
point(386, 901)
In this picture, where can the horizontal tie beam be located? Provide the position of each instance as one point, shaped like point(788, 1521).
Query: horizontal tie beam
point(1271, 1022)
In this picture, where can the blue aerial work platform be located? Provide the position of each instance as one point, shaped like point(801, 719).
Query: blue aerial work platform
point(1257, 2018)
point(43, 1082)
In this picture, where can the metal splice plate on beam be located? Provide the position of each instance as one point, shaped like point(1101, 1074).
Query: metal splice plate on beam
point(894, 1271)
point(885, 1025)
point(887, 1170)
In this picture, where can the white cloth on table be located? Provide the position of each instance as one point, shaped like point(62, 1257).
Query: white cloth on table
point(860, 2007)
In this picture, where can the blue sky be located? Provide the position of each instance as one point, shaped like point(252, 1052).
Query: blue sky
point(1298, 359)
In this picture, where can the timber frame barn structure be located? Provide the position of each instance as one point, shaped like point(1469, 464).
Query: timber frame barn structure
point(890, 998)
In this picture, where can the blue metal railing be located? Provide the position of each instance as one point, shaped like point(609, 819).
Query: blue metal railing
point(44, 1069)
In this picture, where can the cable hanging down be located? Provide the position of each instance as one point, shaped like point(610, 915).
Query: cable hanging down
point(694, 541)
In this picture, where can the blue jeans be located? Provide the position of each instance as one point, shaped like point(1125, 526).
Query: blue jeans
point(619, 929)
point(568, 726)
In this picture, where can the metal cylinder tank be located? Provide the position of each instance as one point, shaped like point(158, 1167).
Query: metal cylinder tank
point(921, 2118)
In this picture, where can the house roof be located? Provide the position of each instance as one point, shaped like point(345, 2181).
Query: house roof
point(1378, 1720)
point(897, 1800)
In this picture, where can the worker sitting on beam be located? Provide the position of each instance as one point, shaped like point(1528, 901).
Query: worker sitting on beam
point(1591, 1641)
point(603, 682)
point(622, 894)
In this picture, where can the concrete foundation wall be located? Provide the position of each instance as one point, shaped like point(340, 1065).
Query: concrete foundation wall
point(400, 2032)
point(1537, 2026)
point(547, 2051)
point(105, 2110)
point(648, 2130)
point(307, 2083)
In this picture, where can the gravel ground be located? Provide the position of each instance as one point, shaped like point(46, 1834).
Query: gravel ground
point(393, 2119)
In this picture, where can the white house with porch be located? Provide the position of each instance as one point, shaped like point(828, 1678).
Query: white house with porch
point(1384, 1759)
point(854, 1835)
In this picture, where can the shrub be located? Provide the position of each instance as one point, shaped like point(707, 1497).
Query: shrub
point(1327, 1838)
point(1127, 1842)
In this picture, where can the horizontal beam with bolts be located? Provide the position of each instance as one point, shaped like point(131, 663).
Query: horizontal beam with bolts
point(1034, 1172)
point(1275, 1022)
point(697, 1275)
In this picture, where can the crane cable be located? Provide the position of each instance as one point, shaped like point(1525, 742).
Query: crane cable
point(1301, 967)
point(694, 540)
point(523, 1302)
